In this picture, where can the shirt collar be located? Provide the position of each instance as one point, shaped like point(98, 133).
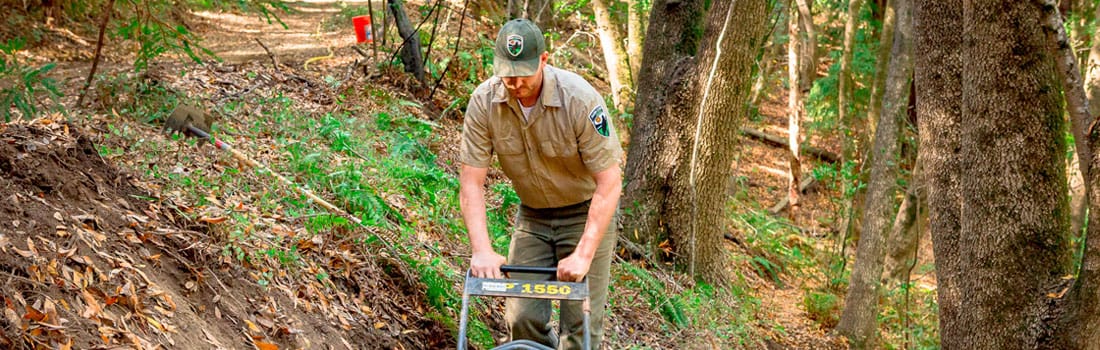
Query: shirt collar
point(549, 95)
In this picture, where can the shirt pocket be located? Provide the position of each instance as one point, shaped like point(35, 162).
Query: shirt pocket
point(509, 145)
point(558, 149)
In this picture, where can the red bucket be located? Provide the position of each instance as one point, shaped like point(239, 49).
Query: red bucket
point(362, 29)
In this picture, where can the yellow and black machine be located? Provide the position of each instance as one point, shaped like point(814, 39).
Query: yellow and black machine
point(532, 289)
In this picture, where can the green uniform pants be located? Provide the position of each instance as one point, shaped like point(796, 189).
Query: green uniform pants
point(542, 237)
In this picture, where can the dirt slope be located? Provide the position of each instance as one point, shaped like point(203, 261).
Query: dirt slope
point(92, 261)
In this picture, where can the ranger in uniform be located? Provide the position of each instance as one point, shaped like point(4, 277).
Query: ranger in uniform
point(551, 133)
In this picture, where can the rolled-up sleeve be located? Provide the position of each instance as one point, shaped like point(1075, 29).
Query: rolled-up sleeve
point(477, 143)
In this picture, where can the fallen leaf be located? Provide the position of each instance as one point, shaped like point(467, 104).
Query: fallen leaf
point(93, 308)
point(213, 220)
point(252, 327)
point(379, 325)
point(266, 346)
point(57, 215)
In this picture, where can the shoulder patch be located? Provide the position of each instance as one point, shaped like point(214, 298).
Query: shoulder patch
point(598, 117)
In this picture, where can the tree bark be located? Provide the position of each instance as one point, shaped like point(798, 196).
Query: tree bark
point(878, 87)
point(680, 149)
point(1010, 246)
point(808, 45)
point(614, 55)
point(859, 321)
point(901, 244)
point(844, 78)
point(410, 50)
point(938, 79)
point(1083, 321)
point(540, 12)
point(634, 28)
point(794, 113)
point(657, 140)
point(516, 9)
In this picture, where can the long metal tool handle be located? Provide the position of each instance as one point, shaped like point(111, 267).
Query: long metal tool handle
point(253, 163)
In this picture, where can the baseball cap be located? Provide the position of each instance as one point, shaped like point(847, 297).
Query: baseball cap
point(519, 46)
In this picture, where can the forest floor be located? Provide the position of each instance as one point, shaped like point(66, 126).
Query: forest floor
point(106, 241)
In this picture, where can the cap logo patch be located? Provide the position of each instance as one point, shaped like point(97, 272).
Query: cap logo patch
point(598, 117)
point(515, 45)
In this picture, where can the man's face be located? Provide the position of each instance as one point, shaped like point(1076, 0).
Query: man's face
point(529, 86)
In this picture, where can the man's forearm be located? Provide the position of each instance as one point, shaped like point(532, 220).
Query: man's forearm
point(471, 200)
point(604, 203)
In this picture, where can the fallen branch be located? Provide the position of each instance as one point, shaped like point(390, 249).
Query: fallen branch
point(274, 60)
point(778, 207)
point(779, 141)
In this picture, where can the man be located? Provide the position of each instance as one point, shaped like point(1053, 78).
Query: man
point(552, 136)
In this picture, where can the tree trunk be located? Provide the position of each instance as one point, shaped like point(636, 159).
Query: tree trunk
point(541, 12)
point(808, 45)
point(901, 244)
point(938, 79)
point(1083, 320)
point(680, 149)
point(516, 9)
point(794, 114)
point(410, 51)
point(859, 322)
point(772, 53)
point(1009, 199)
point(850, 125)
point(657, 139)
point(635, 22)
point(844, 78)
point(614, 55)
point(878, 87)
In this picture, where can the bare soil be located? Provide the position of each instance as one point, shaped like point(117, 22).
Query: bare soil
point(93, 261)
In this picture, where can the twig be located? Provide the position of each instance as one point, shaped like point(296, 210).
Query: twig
point(373, 43)
point(12, 275)
point(431, 38)
point(98, 51)
point(461, 22)
point(274, 60)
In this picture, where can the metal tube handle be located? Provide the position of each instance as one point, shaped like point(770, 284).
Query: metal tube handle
point(529, 269)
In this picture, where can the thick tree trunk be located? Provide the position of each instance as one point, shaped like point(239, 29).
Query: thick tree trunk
point(730, 45)
point(635, 22)
point(858, 322)
point(794, 113)
point(938, 79)
point(680, 149)
point(657, 140)
point(614, 55)
point(410, 50)
point(1010, 245)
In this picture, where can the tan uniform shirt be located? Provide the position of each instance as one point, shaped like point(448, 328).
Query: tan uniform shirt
point(551, 157)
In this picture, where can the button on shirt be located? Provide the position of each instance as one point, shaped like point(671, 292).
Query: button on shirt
point(551, 156)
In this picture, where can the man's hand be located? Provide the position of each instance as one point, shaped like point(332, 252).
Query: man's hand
point(487, 265)
point(573, 268)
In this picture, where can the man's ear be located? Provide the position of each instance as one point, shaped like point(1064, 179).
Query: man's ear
point(545, 57)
